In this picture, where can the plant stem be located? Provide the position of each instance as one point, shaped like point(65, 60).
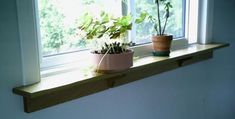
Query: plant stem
point(155, 25)
point(158, 16)
point(164, 26)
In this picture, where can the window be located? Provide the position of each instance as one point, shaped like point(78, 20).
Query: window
point(176, 22)
point(51, 12)
point(59, 21)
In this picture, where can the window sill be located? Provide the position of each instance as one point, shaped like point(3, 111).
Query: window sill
point(63, 87)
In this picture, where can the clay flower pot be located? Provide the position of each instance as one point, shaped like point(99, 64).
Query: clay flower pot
point(113, 62)
point(162, 45)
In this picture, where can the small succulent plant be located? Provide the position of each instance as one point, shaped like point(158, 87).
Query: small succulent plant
point(114, 48)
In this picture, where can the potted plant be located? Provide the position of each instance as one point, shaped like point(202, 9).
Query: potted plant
point(114, 55)
point(161, 41)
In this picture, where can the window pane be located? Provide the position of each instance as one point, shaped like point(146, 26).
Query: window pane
point(59, 21)
point(175, 24)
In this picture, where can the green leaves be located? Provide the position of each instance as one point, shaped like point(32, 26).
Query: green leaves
point(168, 5)
point(167, 9)
point(52, 31)
point(87, 21)
point(119, 27)
point(107, 26)
point(113, 28)
point(141, 18)
point(104, 17)
point(94, 28)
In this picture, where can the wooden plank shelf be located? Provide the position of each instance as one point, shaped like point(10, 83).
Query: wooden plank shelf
point(64, 87)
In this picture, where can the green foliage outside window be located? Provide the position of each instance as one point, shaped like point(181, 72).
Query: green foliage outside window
point(57, 37)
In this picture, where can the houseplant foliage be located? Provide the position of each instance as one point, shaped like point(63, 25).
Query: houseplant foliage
point(115, 55)
point(161, 41)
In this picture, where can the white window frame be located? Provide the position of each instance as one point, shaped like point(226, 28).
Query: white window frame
point(30, 35)
point(56, 61)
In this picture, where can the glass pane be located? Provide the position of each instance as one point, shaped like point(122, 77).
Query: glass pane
point(59, 21)
point(175, 24)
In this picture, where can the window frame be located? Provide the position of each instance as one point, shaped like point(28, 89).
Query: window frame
point(31, 59)
point(55, 61)
point(185, 3)
point(29, 35)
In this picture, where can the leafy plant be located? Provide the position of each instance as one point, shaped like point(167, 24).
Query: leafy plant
point(158, 22)
point(111, 28)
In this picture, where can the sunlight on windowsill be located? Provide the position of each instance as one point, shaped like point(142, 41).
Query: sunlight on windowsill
point(62, 87)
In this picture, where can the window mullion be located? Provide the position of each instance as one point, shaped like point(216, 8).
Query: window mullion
point(132, 11)
point(184, 18)
point(37, 23)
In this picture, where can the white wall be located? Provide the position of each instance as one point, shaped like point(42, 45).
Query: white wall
point(222, 77)
point(204, 90)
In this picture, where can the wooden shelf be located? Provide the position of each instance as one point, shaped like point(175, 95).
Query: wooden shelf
point(71, 85)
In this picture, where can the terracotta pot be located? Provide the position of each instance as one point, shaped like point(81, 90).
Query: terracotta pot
point(113, 62)
point(162, 45)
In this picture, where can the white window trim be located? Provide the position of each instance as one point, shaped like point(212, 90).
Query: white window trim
point(200, 21)
point(29, 34)
point(29, 40)
point(205, 21)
